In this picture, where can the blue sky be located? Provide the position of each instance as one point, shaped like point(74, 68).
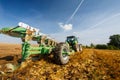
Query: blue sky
point(94, 21)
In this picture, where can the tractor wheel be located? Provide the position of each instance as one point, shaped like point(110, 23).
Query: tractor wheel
point(76, 48)
point(80, 48)
point(61, 54)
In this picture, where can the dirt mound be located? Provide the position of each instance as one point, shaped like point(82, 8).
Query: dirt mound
point(91, 64)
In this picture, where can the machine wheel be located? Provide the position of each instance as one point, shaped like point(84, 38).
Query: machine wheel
point(60, 54)
point(76, 48)
point(80, 48)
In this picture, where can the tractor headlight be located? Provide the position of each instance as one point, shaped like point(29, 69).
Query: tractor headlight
point(72, 39)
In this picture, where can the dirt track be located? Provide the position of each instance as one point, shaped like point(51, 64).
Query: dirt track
point(90, 65)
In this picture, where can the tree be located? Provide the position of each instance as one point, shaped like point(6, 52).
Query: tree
point(92, 45)
point(115, 40)
point(101, 46)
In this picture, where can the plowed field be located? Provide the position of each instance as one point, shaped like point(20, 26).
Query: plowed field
point(91, 64)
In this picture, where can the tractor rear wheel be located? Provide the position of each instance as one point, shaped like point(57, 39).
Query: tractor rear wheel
point(61, 54)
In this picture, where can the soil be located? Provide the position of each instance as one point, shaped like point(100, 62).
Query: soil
point(91, 64)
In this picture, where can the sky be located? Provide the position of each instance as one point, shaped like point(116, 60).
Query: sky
point(92, 21)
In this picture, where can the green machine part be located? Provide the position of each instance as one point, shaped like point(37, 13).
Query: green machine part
point(14, 32)
point(46, 45)
point(28, 50)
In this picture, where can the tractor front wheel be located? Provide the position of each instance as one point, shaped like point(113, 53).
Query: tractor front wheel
point(61, 54)
point(80, 47)
point(76, 48)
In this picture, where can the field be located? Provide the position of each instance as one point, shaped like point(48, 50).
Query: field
point(91, 64)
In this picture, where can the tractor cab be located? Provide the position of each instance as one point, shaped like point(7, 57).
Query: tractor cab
point(71, 40)
point(73, 44)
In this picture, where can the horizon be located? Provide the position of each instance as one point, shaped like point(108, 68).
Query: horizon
point(93, 21)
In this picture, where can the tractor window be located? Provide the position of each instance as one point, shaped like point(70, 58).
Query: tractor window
point(70, 38)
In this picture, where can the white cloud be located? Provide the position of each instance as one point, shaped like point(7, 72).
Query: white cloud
point(66, 27)
point(98, 33)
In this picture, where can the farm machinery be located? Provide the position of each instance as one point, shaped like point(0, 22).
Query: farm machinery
point(47, 45)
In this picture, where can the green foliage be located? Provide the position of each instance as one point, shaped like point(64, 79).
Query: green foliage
point(101, 46)
point(114, 41)
point(87, 46)
point(83, 46)
point(92, 45)
point(111, 47)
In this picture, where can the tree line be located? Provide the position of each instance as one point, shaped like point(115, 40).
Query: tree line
point(113, 44)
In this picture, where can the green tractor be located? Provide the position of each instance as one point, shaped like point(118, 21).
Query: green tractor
point(73, 44)
point(47, 45)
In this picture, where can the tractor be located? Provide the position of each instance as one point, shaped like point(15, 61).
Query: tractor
point(47, 45)
point(72, 42)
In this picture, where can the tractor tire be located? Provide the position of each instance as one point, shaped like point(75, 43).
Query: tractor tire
point(80, 48)
point(59, 57)
point(76, 48)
